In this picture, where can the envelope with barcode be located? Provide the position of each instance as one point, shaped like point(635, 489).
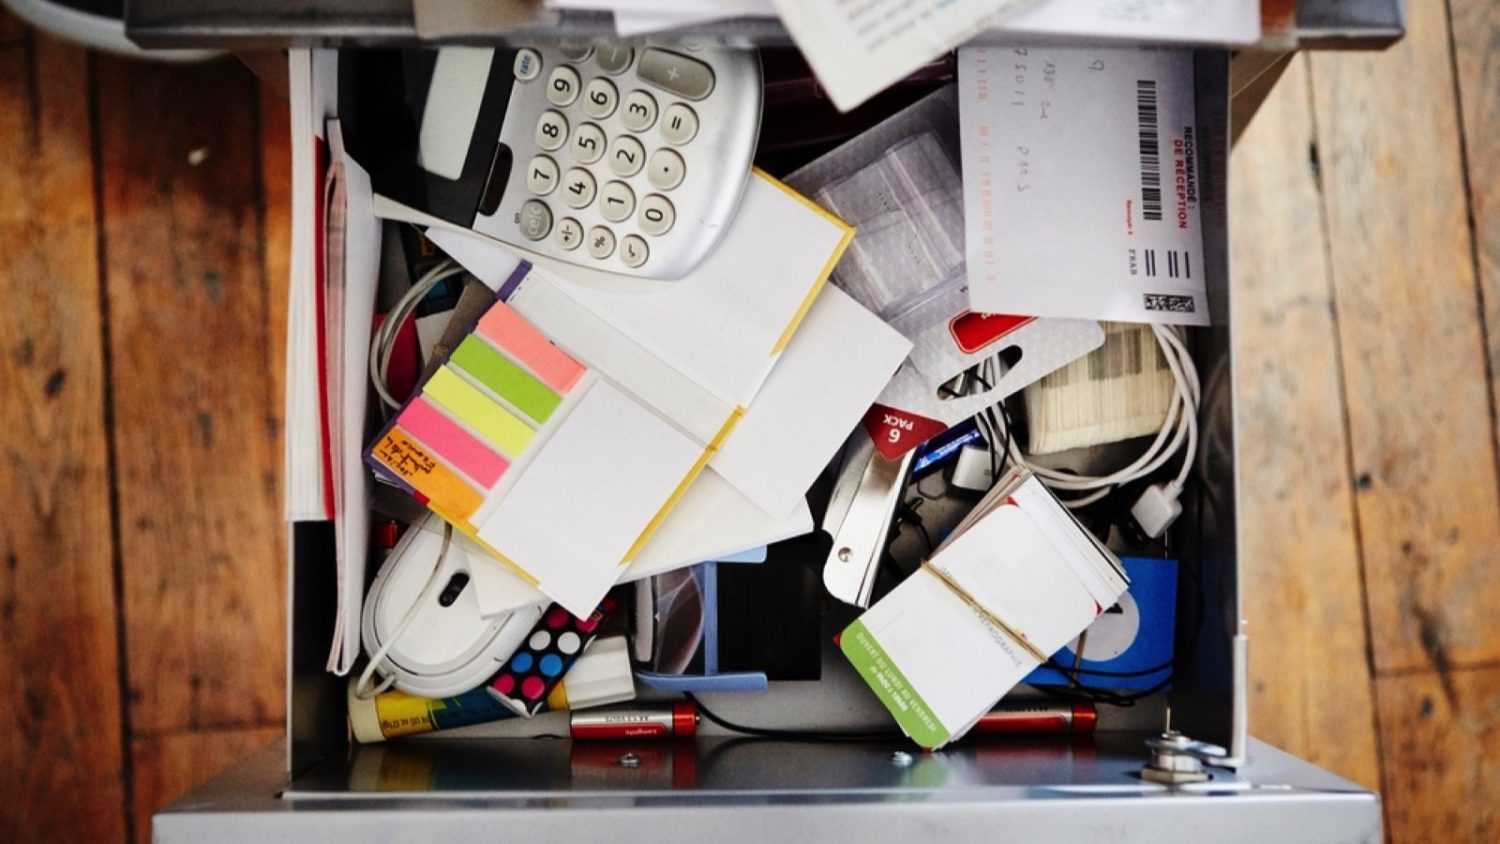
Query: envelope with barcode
point(1082, 183)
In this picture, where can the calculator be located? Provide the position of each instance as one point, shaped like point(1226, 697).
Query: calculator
point(628, 158)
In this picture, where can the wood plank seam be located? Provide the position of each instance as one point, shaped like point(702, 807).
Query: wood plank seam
point(122, 649)
point(1343, 389)
point(1475, 236)
point(208, 729)
point(1463, 668)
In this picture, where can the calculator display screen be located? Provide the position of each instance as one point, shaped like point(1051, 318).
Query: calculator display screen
point(426, 124)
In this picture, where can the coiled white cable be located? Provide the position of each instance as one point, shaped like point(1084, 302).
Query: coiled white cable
point(1179, 432)
point(384, 339)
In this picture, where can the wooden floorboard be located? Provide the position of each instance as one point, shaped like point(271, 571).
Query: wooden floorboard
point(1440, 751)
point(1476, 50)
point(1412, 346)
point(61, 766)
point(204, 570)
point(1299, 560)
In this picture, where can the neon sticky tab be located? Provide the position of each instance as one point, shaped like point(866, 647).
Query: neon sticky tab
point(411, 462)
point(512, 383)
point(511, 332)
point(494, 423)
point(452, 443)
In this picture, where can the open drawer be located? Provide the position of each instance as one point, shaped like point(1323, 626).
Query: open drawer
point(322, 787)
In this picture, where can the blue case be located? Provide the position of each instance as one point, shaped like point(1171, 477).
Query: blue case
point(1137, 634)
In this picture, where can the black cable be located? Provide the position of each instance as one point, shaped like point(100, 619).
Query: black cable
point(906, 513)
point(1103, 695)
point(795, 735)
point(1144, 672)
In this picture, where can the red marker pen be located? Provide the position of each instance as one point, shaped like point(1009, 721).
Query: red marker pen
point(1030, 719)
point(680, 719)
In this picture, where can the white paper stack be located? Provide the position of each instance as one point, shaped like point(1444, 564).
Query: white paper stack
point(1016, 580)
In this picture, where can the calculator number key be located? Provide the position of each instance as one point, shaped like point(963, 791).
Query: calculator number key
point(633, 251)
point(551, 130)
point(657, 215)
point(616, 202)
point(535, 219)
point(626, 156)
point(639, 112)
point(665, 170)
point(562, 86)
point(601, 242)
point(541, 175)
point(588, 143)
point(600, 99)
point(579, 188)
point(679, 124)
point(569, 234)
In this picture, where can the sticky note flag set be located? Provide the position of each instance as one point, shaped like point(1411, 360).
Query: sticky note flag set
point(553, 470)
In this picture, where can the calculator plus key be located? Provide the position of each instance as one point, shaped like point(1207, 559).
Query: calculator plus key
point(675, 73)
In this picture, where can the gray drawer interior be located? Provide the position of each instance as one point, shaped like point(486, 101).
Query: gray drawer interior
point(1203, 700)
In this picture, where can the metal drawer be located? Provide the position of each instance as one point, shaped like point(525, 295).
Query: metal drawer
point(319, 787)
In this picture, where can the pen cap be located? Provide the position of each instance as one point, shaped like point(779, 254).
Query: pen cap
point(364, 721)
point(602, 675)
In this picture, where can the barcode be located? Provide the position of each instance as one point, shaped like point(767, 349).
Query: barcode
point(1170, 303)
point(1179, 263)
point(1145, 112)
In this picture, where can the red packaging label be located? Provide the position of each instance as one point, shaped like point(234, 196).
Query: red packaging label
point(973, 331)
point(895, 432)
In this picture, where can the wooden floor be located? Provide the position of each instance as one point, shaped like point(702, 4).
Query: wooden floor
point(143, 258)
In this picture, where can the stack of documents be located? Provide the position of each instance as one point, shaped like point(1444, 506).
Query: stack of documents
point(1015, 581)
point(751, 354)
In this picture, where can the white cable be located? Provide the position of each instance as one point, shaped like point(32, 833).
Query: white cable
point(362, 689)
point(383, 343)
point(1178, 433)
